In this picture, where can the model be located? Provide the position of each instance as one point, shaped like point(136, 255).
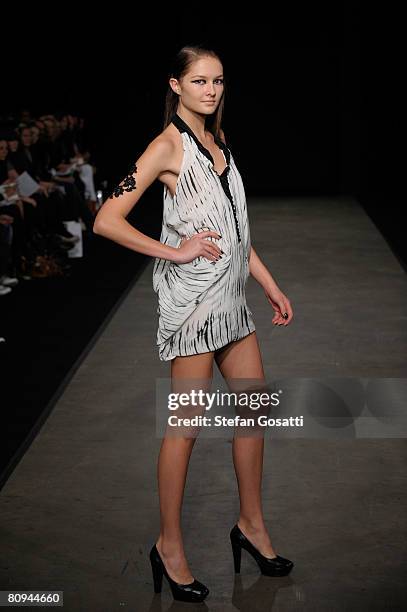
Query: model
point(202, 263)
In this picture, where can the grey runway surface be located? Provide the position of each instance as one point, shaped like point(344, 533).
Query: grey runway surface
point(80, 511)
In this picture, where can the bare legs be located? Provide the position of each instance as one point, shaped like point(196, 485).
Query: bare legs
point(172, 470)
point(242, 359)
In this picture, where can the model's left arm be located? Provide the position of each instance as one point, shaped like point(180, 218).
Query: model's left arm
point(280, 302)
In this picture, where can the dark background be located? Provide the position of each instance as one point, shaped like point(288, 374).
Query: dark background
point(313, 102)
point(293, 105)
point(314, 106)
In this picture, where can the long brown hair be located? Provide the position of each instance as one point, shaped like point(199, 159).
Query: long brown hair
point(180, 66)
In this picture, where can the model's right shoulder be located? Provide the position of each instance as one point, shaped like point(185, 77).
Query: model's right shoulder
point(162, 144)
point(161, 149)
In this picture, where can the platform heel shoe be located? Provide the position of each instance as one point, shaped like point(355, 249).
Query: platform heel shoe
point(194, 591)
point(277, 566)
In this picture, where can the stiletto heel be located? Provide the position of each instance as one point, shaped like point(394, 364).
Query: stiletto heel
point(277, 566)
point(194, 591)
point(157, 574)
point(237, 556)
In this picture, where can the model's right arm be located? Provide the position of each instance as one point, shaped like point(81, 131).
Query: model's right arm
point(110, 221)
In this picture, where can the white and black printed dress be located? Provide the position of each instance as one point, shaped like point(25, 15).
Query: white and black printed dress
point(202, 303)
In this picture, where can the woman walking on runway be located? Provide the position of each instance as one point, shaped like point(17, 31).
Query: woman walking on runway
point(202, 263)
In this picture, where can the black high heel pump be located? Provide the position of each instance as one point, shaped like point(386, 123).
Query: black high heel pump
point(194, 591)
point(277, 566)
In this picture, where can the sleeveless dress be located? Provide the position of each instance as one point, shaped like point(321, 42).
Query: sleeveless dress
point(202, 304)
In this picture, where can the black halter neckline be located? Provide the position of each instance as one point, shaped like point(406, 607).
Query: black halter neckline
point(184, 127)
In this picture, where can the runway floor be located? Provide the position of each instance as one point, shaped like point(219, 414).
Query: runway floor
point(80, 512)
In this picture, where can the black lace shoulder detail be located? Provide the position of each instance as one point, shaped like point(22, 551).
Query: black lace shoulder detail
point(128, 184)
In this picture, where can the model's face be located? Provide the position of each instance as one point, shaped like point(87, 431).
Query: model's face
point(201, 89)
